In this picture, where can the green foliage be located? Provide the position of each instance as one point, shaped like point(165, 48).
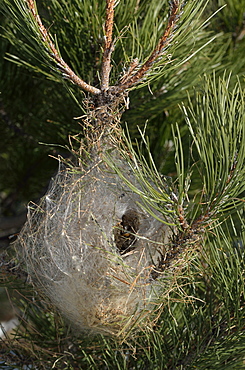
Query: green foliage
point(226, 52)
point(215, 118)
point(30, 114)
point(216, 124)
point(137, 33)
point(231, 18)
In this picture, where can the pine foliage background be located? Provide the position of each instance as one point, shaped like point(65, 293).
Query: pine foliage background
point(194, 109)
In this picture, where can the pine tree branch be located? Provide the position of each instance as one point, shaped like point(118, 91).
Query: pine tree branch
point(133, 65)
point(130, 79)
point(66, 70)
point(109, 46)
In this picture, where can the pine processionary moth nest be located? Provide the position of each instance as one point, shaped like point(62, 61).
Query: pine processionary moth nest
point(91, 248)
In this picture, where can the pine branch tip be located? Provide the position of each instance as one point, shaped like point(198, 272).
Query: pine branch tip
point(133, 79)
point(108, 45)
point(54, 54)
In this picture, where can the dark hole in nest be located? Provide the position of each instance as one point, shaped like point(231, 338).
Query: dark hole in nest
point(126, 230)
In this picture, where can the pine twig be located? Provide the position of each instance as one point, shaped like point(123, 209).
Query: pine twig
point(108, 47)
point(133, 65)
point(131, 79)
point(66, 70)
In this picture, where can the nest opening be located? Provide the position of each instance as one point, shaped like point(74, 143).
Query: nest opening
point(125, 232)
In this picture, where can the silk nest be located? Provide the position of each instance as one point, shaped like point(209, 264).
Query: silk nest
point(93, 250)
